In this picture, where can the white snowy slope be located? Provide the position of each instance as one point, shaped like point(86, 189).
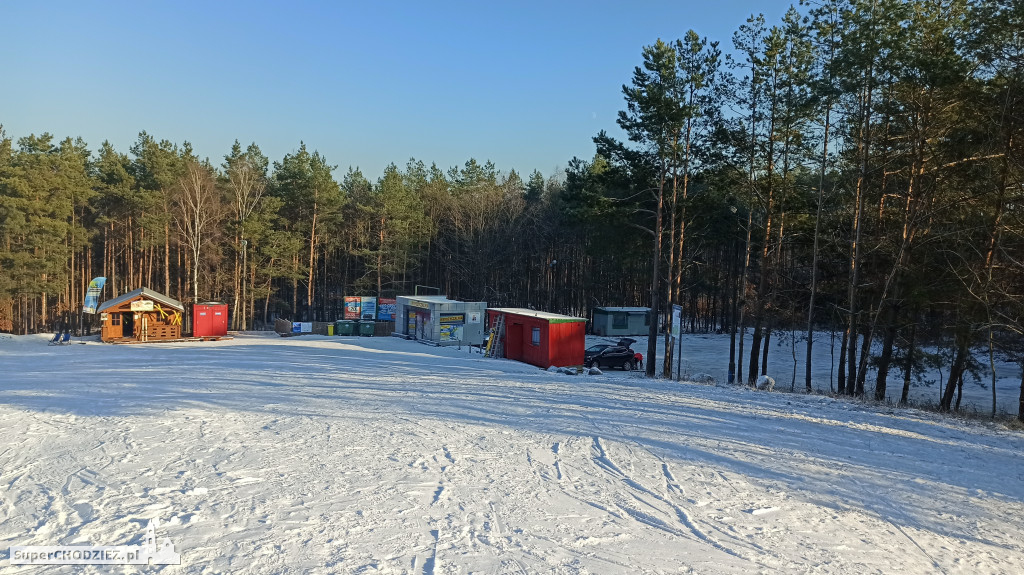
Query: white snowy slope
point(378, 455)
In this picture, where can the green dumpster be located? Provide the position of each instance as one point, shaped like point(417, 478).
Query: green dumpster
point(345, 327)
point(366, 328)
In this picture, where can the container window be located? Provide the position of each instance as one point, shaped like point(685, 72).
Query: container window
point(535, 339)
point(620, 320)
point(115, 319)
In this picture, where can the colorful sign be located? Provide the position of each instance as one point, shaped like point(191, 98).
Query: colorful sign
point(459, 318)
point(353, 304)
point(386, 308)
point(474, 317)
point(92, 295)
point(419, 304)
point(369, 308)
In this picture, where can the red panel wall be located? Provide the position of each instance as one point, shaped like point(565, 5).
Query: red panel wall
point(531, 354)
point(209, 320)
point(567, 341)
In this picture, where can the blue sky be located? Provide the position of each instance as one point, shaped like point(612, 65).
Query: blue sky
point(523, 84)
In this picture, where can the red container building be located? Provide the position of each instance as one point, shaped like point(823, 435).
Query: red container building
point(210, 319)
point(540, 338)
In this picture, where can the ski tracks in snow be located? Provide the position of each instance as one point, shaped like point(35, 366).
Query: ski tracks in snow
point(390, 457)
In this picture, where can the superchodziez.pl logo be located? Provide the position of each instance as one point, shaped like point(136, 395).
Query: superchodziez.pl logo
point(149, 553)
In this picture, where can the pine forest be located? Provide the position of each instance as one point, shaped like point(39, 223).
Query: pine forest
point(855, 168)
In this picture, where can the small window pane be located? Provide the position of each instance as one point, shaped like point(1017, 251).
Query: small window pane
point(536, 336)
point(620, 320)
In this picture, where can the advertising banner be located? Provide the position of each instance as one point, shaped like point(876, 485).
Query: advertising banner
point(142, 305)
point(386, 308)
point(352, 306)
point(92, 295)
point(451, 332)
point(369, 308)
point(454, 318)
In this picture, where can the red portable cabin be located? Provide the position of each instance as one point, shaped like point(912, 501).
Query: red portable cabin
point(210, 319)
point(540, 338)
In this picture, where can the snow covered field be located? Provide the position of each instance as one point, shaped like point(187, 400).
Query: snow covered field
point(709, 354)
point(379, 455)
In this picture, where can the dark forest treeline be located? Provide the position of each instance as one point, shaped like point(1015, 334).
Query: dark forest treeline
point(856, 167)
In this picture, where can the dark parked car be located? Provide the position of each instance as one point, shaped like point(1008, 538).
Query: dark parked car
point(609, 355)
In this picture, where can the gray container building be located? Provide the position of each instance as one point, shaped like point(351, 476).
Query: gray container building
point(614, 321)
point(437, 320)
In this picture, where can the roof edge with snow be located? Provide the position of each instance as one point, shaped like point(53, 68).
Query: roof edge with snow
point(144, 292)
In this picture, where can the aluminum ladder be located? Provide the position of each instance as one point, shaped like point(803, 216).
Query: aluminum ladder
point(494, 342)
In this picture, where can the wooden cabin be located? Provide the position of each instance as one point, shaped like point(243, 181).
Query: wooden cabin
point(140, 315)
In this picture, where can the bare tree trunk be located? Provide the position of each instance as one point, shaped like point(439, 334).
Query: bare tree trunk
point(743, 292)
point(814, 256)
point(882, 378)
point(864, 151)
point(841, 379)
point(764, 350)
point(1020, 401)
point(380, 258)
point(672, 286)
point(908, 364)
point(295, 287)
point(167, 257)
point(113, 264)
point(652, 332)
point(310, 287)
point(992, 363)
point(761, 304)
point(955, 373)
point(237, 287)
point(733, 316)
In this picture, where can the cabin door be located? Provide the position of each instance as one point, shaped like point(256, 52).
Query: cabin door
point(128, 324)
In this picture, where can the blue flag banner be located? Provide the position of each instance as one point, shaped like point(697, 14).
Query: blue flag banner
point(92, 295)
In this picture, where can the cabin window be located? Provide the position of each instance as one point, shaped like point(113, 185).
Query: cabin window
point(115, 319)
point(535, 339)
point(620, 320)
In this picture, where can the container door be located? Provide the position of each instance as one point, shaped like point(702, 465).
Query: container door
point(220, 316)
point(514, 341)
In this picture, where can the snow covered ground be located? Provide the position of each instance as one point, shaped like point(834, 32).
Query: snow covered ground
point(709, 354)
point(379, 455)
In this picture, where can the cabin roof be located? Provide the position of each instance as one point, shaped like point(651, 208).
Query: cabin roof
point(145, 293)
point(552, 317)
